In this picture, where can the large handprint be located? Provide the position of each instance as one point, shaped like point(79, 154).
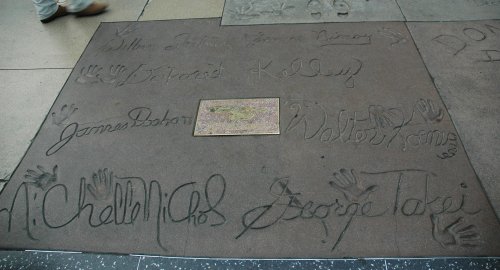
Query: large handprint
point(457, 233)
point(101, 187)
point(347, 182)
point(42, 178)
point(60, 118)
point(429, 111)
point(89, 74)
point(115, 71)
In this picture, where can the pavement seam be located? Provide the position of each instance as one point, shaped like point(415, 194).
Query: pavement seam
point(143, 9)
point(401, 10)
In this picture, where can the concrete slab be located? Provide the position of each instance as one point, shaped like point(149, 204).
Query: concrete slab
point(31, 44)
point(182, 9)
point(464, 59)
point(27, 96)
point(243, 12)
point(450, 10)
point(368, 163)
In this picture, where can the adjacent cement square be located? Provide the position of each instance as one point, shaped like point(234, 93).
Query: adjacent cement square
point(464, 59)
point(368, 163)
point(450, 10)
point(258, 116)
point(243, 12)
point(182, 9)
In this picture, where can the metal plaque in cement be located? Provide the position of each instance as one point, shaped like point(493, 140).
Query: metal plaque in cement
point(367, 163)
point(450, 10)
point(244, 12)
point(238, 117)
point(464, 60)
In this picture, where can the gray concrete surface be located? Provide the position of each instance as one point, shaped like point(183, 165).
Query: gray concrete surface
point(464, 60)
point(368, 163)
point(450, 10)
point(243, 12)
point(26, 103)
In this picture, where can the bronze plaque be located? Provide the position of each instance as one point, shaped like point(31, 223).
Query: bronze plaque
point(259, 116)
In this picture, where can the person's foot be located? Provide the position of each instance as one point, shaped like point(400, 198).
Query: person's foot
point(92, 9)
point(61, 11)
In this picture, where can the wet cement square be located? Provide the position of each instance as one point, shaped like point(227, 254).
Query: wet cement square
point(243, 12)
point(367, 163)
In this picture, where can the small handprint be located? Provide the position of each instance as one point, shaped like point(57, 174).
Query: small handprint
point(64, 114)
point(89, 74)
point(457, 233)
point(41, 179)
point(347, 182)
point(278, 10)
point(429, 111)
point(115, 71)
point(244, 12)
point(102, 186)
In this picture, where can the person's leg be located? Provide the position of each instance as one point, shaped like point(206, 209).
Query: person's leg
point(48, 10)
point(77, 5)
point(85, 7)
point(45, 8)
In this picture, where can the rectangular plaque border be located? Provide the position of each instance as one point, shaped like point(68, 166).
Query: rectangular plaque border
point(226, 135)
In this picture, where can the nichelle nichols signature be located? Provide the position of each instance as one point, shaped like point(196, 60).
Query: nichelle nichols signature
point(109, 200)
